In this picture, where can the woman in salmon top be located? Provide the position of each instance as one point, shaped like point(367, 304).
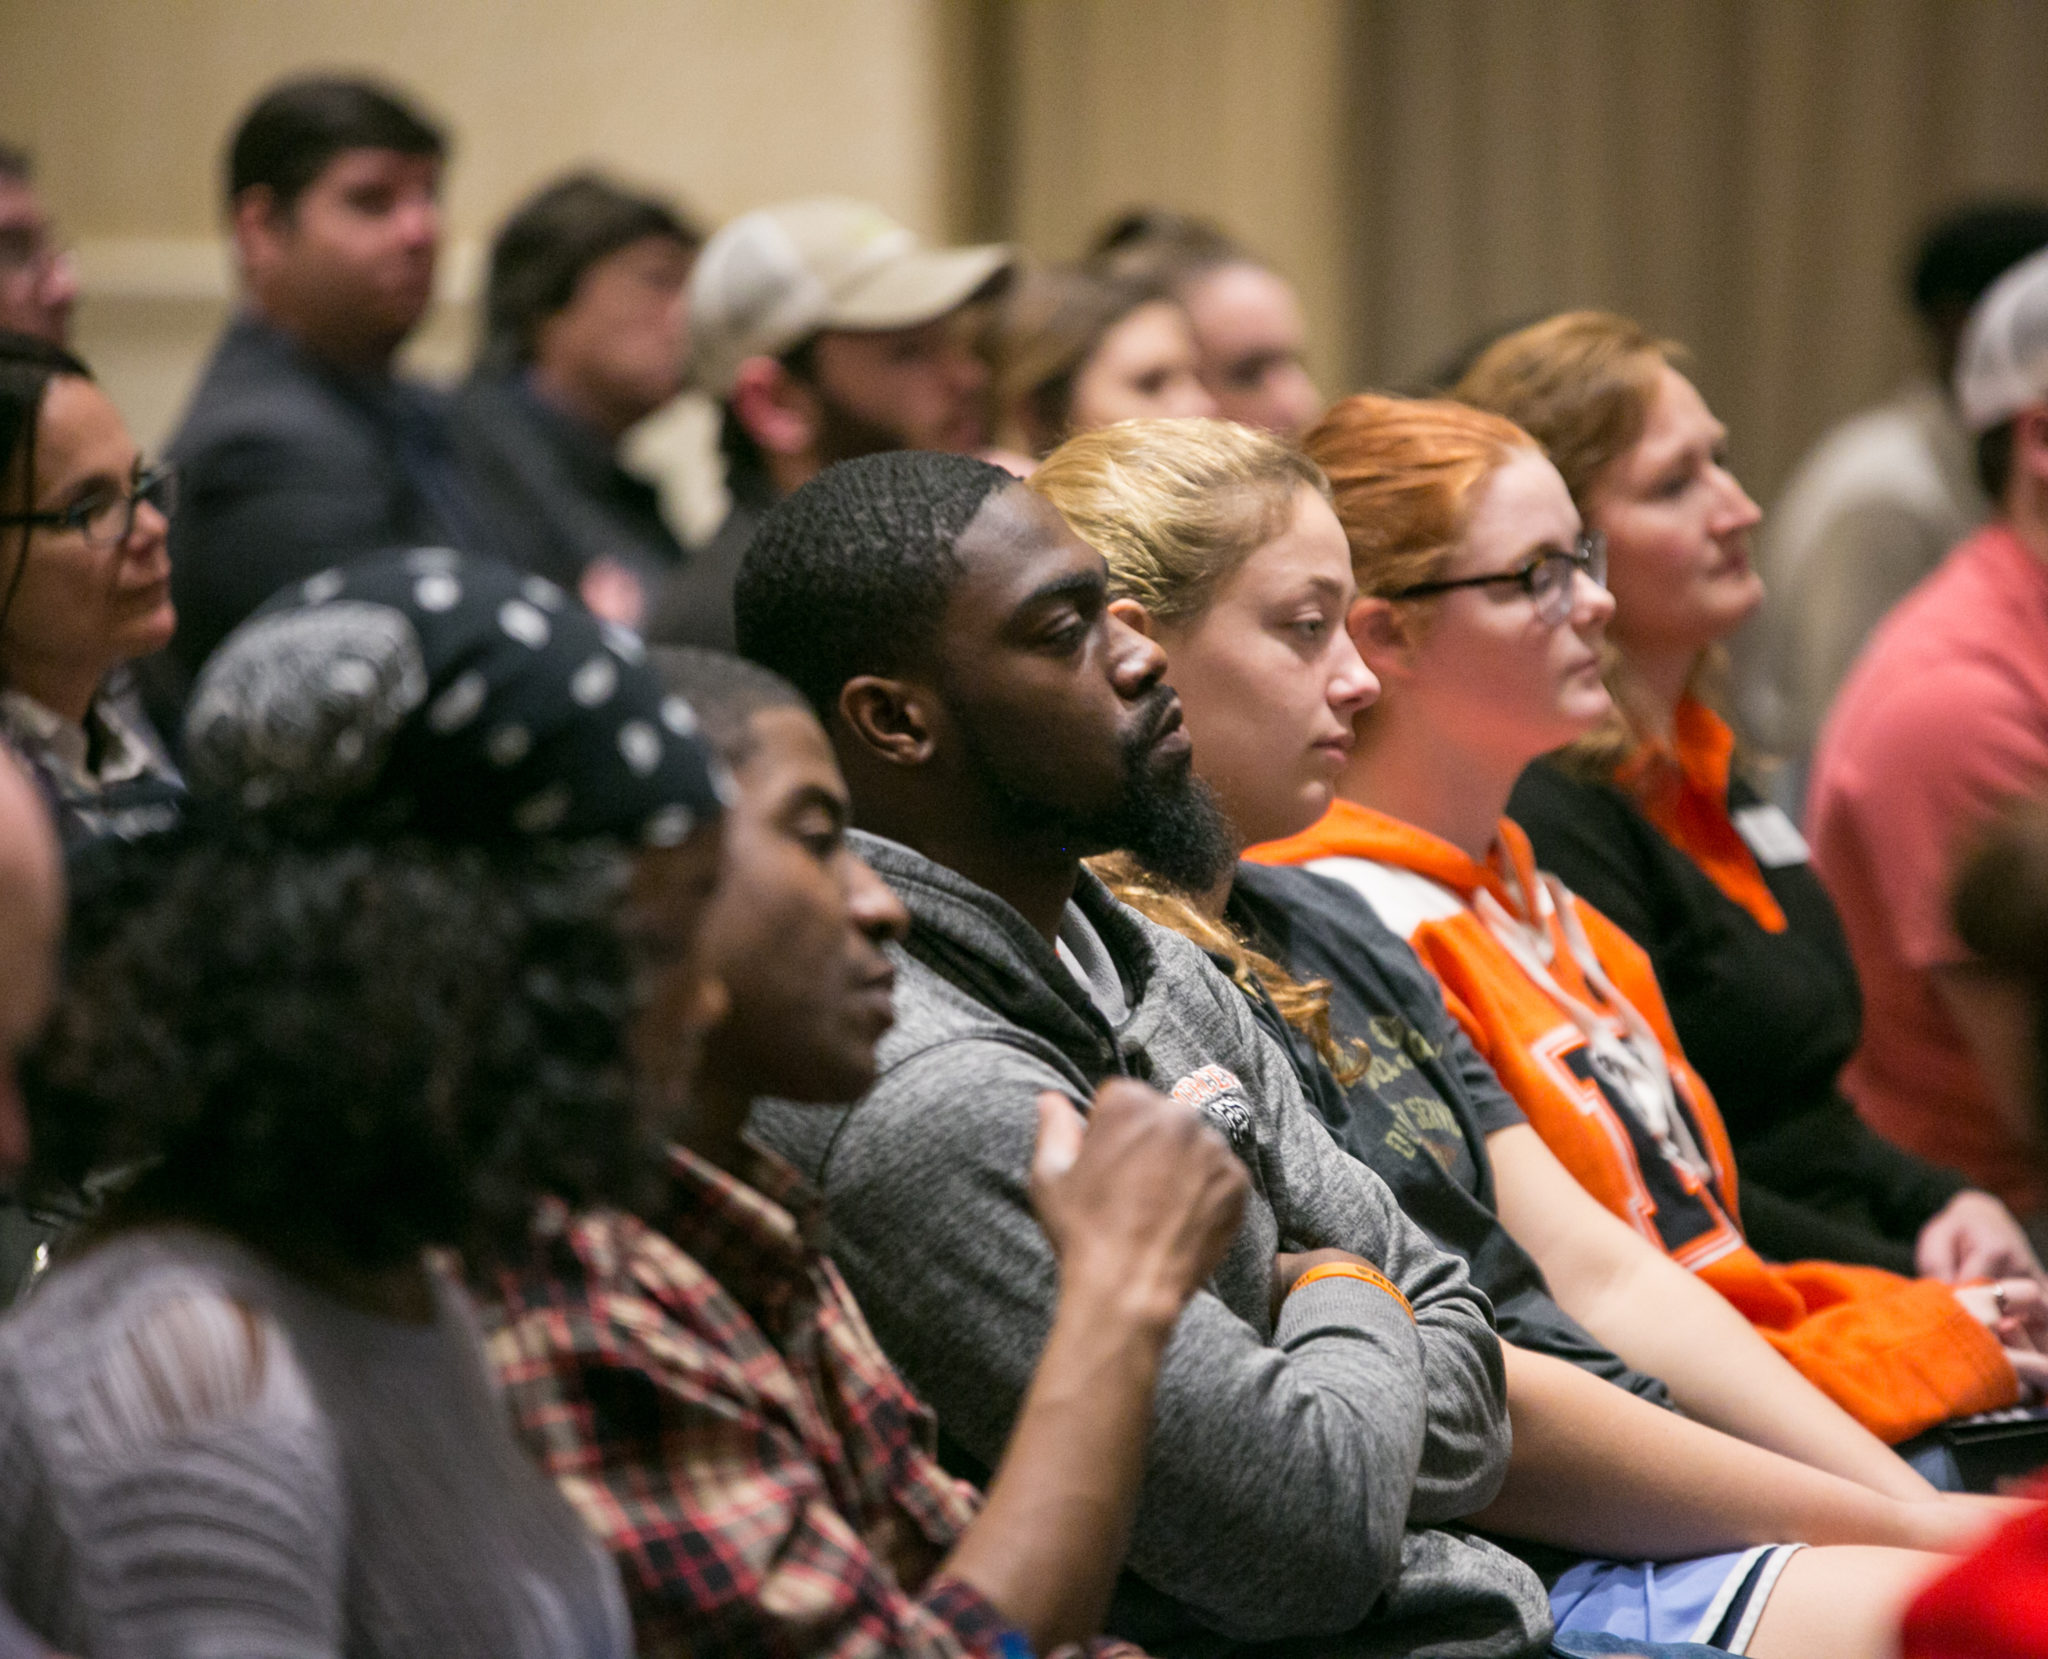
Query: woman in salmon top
point(1648, 817)
point(1483, 617)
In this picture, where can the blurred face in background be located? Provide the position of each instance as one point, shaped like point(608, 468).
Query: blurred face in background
point(38, 282)
point(618, 347)
point(1145, 367)
point(348, 268)
point(1678, 526)
point(901, 388)
point(1249, 331)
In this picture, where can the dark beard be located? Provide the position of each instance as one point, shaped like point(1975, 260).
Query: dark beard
point(846, 436)
point(1167, 819)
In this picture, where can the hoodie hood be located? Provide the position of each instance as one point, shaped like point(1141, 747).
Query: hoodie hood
point(1349, 830)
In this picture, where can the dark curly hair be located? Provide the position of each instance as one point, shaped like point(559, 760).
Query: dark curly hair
point(342, 1054)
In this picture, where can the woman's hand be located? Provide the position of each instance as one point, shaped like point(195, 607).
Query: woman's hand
point(2016, 1312)
point(1973, 1236)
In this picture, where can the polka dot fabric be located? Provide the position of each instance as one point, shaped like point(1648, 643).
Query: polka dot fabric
point(439, 691)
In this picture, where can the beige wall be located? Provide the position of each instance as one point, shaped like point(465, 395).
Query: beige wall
point(1740, 173)
point(725, 103)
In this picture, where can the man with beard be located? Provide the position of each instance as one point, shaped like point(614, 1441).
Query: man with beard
point(1335, 1395)
point(826, 331)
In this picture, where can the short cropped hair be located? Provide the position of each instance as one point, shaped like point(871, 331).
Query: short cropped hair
point(294, 130)
point(726, 693)
point(551, 239)
point(1165, 249)
point(849, 575)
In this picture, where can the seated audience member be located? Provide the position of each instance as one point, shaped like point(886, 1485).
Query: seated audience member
point(1074, 351)
point(1648, 818)
point(300, 447)
point(585, 328)
point(1222, 547)
point(38, 281)
point(1995, 1605)
point(84, 590)
point(1944, 717)
point(824, 330)
point(995, 723)
point(1246, 316)
point(1876, 502)
point(1482, 619)
point(387, 1018)
point(701, 1383)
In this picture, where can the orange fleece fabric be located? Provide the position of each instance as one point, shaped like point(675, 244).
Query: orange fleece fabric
point(1682, 788)
point(1899, 1355)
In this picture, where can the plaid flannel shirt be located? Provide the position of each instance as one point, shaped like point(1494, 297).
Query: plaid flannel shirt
point(707, 1394)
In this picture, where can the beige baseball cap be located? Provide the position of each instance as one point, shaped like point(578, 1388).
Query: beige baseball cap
point(777, 275)
point(2003, 365)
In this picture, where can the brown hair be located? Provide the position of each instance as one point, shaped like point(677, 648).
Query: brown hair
point(1403, 472)
point(1052, 322)
point(1581, 384)
point(1175, 507)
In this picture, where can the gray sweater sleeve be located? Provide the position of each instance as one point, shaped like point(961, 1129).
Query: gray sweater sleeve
point(1279, 1475)
point(1322, 1197)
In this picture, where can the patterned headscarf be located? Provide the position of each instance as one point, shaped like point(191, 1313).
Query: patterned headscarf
point(450, 694)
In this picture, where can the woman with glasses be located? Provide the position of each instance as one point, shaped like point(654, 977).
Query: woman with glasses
point(84, 589)
point(1649, 817)
point(1487, 660)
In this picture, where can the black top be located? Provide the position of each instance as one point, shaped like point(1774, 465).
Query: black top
point(1420, 1115)
point(1768, 1019)
point(695, 606)
point(288, 466)
point(551, 490)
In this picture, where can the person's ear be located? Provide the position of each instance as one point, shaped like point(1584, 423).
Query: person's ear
point(1385, 634)
point(2030, 444)
point(778, 411)
point(1134, 616)
point(893, 719)
point(258, 224)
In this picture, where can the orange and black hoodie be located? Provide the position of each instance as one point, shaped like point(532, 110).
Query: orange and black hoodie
point(1565, 1007)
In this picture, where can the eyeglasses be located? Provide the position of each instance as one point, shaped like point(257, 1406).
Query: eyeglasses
point(109, 520)
point(1546, 579)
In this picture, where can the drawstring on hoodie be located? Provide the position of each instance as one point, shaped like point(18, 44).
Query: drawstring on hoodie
point(1619, 1041)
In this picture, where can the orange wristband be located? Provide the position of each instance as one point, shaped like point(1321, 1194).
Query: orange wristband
point(1353, 1270)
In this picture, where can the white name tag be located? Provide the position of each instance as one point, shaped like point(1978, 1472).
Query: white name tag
point(1773, 837)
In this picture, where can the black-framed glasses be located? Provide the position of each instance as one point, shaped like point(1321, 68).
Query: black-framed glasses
point(107, 521)
point(1546, 579)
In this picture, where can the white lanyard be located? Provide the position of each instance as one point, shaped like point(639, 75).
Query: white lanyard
point(1623, 1049)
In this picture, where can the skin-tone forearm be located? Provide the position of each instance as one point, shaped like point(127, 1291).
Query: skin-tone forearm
point(1669, 1324)
point(1597, 1470)
point(1047, 1545)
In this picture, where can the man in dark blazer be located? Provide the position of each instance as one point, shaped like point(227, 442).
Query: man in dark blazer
point(300, 448)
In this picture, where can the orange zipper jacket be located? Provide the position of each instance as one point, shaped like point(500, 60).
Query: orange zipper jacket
point(1899, 1355)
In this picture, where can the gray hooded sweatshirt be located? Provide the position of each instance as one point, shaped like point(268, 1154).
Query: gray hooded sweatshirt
point(1299, 1474)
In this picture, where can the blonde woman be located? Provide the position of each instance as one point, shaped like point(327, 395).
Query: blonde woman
point(1223, 547)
